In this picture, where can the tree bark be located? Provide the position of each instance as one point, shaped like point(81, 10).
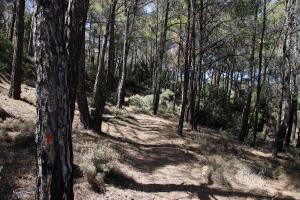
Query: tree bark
point(111, 51)
point(193, 86)
point(120, 91)
point(199, 71)
point(81, 9)
point(104, 77)
point(161, 52)
point(247, 108)
point(85, 118)
point(284, 118)
point(54, 124)
point(186, 72)
point(75, 35)
point(295, 99)
point(12, 26)
point(121, 87)
point(16, 72)
point(259, 85)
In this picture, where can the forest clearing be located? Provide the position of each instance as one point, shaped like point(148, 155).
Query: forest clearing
point(149, 99)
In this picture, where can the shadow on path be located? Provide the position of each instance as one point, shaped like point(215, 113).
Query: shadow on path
point(119, 179)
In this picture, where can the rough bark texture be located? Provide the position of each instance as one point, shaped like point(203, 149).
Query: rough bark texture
point(16, 72)
point(53, 132)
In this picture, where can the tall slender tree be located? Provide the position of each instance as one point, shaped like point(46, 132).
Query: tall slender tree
point(16, 72)
point(159, 62)
point(186, 71)
point(259, 78)
point(247, 108)
point(104, 77)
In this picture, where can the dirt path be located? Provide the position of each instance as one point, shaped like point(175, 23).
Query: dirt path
point(154, 162)
point(161, 165)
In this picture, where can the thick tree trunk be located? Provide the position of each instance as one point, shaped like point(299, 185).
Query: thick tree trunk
point(16, 72)
point(54, 124)
point(186, 72)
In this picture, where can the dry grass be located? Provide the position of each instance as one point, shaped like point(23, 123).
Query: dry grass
point(97, 160)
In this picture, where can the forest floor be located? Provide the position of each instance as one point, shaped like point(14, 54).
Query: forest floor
point(149, 160)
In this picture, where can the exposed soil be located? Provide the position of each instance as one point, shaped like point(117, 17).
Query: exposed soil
point(153, 162)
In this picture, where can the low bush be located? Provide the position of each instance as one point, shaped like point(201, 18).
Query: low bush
point(97, 162)
point(217, 110)
point(143, 104)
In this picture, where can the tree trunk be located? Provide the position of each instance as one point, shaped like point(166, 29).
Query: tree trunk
point(295, 99)
point(286, 97)
point(259, 85)
point(199, 71)
point(100, 92)
point(186, 72)
point(12, 26)
point(121, 87)
point(75, 35)
point(111, 51)
point(85, 118)
point(30, 40)
point(82, 102)
point(120, 91)
point(161, 52)
point(16, 72)
point(247, 108)
point(193, 87)
point(53, 132)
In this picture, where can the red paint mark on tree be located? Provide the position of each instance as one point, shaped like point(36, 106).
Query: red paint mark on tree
point(49, 138)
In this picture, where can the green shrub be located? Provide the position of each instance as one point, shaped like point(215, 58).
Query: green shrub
point(167, 95)
point(137, 100)
point(217, 110)
point(6, 52)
